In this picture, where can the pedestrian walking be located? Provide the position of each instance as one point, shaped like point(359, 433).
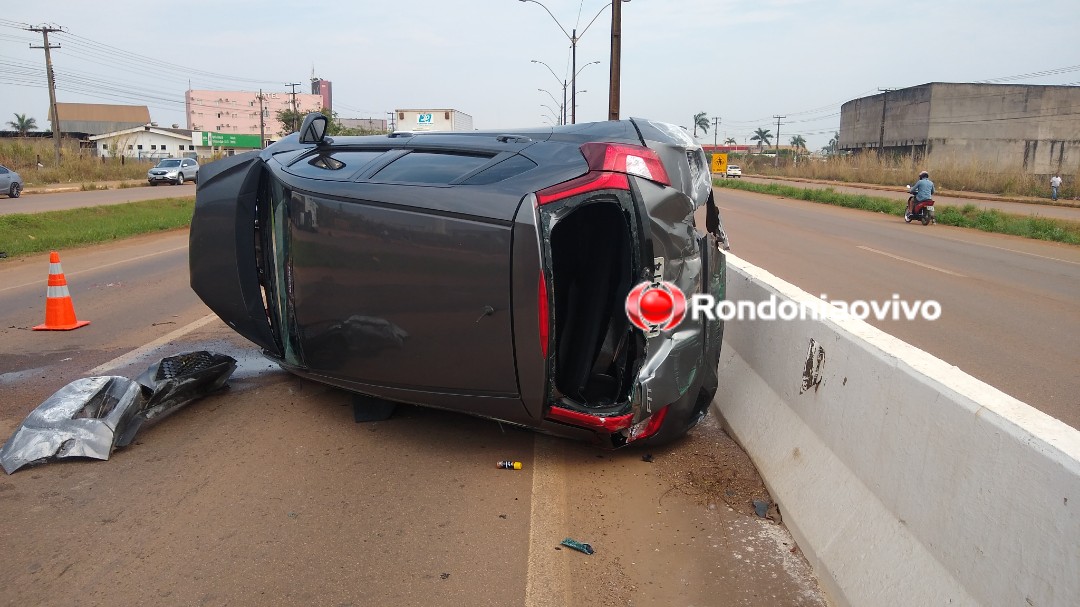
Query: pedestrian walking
point(1055, 185)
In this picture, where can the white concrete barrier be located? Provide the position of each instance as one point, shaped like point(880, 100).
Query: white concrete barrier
point(905, 481)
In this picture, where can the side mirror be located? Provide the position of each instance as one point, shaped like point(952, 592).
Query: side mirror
point(314, 128)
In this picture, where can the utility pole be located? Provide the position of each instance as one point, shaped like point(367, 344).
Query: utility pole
point(391, 115)
point(884, 104)
point(44, 30)
point(715, 129)
point(262, 122)
point(293, 85)
point(616, 60)
point(776, 161)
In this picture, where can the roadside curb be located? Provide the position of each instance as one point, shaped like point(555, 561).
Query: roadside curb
point(109, 185)
point(946, 193)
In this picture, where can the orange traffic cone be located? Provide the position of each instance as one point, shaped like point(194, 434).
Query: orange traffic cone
point(59, 313)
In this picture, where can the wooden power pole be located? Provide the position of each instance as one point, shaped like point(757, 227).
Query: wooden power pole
point(44, 30)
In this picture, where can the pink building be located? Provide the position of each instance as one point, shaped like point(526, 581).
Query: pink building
point(238, 111)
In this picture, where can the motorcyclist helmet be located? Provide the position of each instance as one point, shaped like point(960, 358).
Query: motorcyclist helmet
point(924, 175)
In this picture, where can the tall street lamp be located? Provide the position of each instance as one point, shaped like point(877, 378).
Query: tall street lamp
point(562, 108)
point(573, 37)
point(562, 83)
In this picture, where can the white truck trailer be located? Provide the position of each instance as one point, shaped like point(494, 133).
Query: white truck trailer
point(432, 120)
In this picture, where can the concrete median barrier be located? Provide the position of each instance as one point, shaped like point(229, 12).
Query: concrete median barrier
point(904, 480)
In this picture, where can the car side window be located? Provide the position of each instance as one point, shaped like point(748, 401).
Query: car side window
point(3, 171)
point(430, 167)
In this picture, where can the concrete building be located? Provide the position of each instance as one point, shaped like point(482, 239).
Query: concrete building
point(238, 111)
point(377, 125)
point(145, 142)
point(150, 142)
point(324, 89)
point(97, 118)
point(1004, 127)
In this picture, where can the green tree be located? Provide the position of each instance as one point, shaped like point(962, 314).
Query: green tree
point(798, 143)
point(763, 137)
point(701, 121)
point(833, 146)
point(23, 124)
point(333, 128)
point(730, 141)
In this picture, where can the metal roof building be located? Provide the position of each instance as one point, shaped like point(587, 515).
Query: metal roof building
point(98, 118)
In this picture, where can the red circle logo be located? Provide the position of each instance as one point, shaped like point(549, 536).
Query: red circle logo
point(652, 306)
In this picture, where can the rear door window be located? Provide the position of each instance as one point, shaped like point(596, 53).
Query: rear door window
point(431, 167)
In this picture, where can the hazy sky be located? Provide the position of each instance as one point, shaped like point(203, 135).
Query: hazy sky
point(741, 61)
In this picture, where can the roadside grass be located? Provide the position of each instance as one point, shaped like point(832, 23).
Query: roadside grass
point(35, 160)
point(959, 176)
point(968, 216)
point(29, 233)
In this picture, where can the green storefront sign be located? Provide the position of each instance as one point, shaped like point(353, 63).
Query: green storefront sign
point(227, 140)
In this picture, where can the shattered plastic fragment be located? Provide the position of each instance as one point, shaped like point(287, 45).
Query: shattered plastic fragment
point(579, 546)
point(91, 417)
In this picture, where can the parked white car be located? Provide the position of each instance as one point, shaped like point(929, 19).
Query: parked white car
point(174, 170)
point(733, 170)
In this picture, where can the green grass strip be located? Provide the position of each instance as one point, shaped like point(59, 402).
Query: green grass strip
point(28, 233)
point(968, 216)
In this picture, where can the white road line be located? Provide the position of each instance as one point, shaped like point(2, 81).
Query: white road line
point(141, 351)
point(1077, 263)
point(115, 263)
point(548, 576)
point(912, 261)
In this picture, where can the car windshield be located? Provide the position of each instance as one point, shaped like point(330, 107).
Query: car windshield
point(168, 163)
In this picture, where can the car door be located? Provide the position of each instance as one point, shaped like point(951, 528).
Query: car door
point(5, 180)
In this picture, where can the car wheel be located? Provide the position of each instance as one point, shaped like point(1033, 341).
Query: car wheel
point(15, 191)
point(180, 179)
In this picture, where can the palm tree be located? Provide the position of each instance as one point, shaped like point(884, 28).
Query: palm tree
point(22, 124)
point(730, 141)
point(763, 137)
point(798, 143)
point(834, 144)
point(701, 121)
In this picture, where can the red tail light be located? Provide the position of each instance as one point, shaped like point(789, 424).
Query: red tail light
point(609, 164)
point(593, 422)
point(648, 426)
point(624, 158)
point(542, 312)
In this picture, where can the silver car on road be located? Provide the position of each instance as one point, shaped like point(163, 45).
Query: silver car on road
point(10, 182)
point(174, 170)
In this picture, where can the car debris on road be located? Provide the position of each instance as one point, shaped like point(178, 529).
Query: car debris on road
point(93, 416)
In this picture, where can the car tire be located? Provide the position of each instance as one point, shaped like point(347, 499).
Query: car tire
point(15, 190)
point(180, 179)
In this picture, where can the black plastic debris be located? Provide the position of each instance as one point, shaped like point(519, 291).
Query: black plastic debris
point(93, 416)
point(579, 546)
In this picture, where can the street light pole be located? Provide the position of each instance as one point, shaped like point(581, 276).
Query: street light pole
point(561, 82)
point(573, 37)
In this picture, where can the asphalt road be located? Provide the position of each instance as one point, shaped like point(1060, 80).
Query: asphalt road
point(268, 493)
point(1010, 312)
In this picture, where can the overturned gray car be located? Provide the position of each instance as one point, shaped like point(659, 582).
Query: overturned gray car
point(501, 274)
